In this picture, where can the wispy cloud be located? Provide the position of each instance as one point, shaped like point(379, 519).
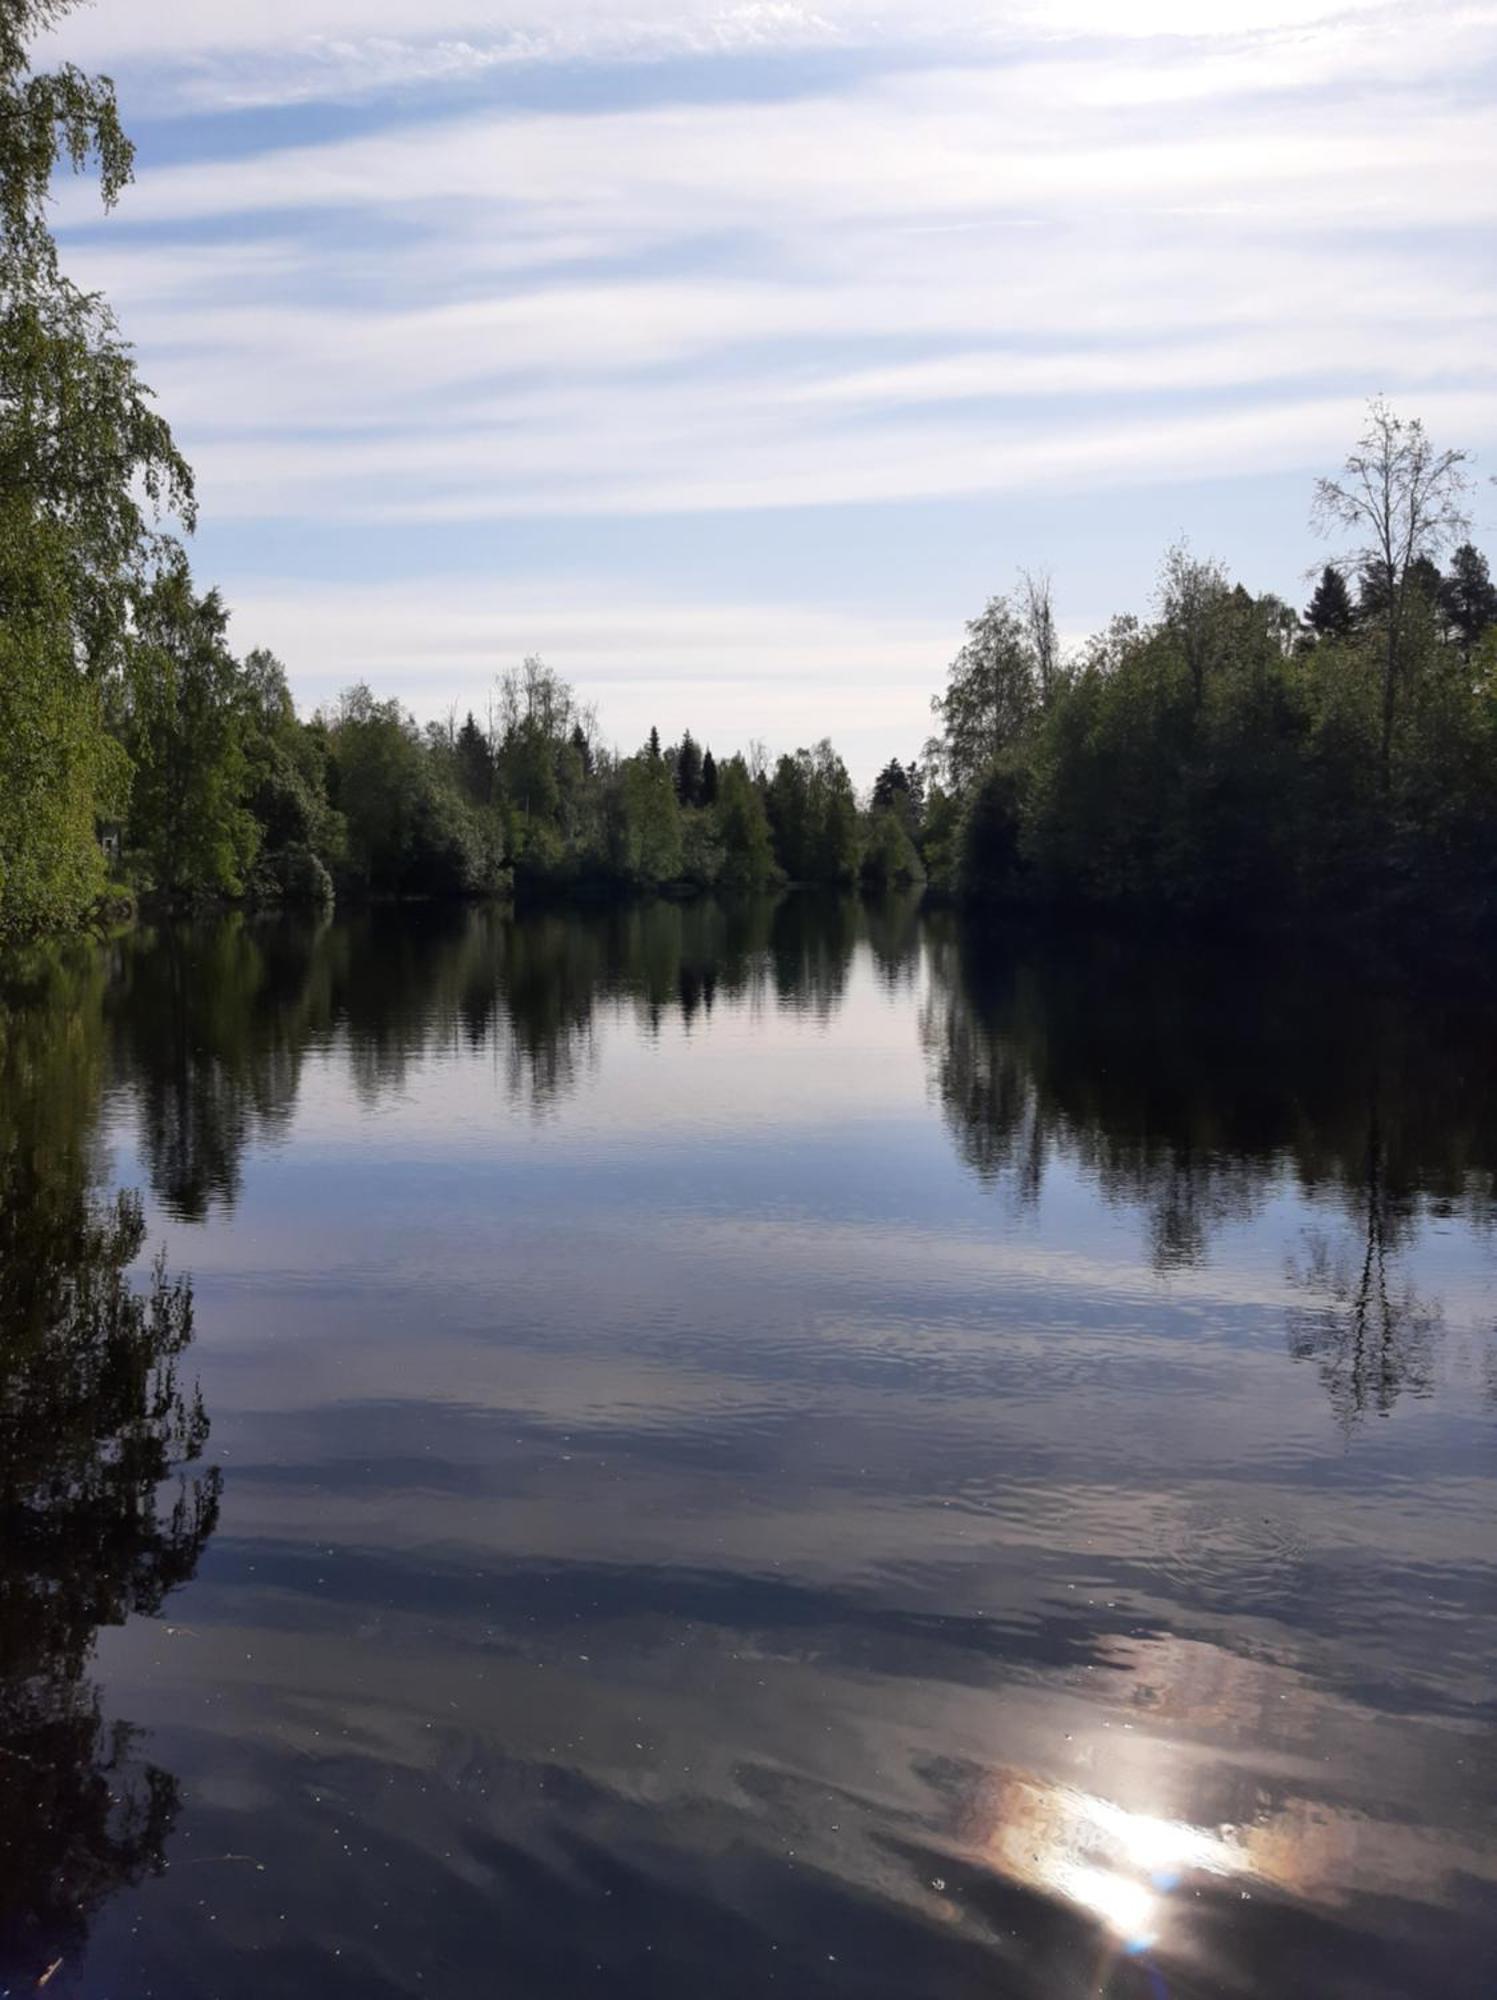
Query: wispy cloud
point(1028, 249)
point(295, 50)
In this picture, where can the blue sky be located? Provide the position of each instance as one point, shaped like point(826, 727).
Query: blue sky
point(730, 355)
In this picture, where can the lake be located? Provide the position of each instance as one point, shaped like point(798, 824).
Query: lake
point(694, 1450)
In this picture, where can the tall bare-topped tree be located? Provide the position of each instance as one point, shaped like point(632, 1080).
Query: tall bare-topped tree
point(1037, 608)
point(1405, 500)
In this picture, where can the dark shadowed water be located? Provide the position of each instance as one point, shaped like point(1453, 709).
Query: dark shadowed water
point(692, 1452)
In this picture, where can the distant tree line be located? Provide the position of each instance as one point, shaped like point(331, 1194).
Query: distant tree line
point(1229, 752)
point(531, 798)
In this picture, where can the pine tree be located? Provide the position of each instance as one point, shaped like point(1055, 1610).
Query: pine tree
point(709, 780)
point(475, 766)
point(890, 786)
point(1329, 614)
point(689, 771)
point(1468, 596)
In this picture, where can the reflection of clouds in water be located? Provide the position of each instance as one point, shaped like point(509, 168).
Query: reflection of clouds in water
point(757, 1498)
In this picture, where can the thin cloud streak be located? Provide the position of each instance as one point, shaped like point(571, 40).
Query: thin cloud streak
point(184, 32)
point(974, 256)
point(946, 145)
point(495, 475)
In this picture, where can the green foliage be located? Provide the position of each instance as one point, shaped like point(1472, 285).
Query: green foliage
point(293, 874)
point(992, 692)
point(890, 857)
point(991, 867)
point(409, 829)
point(701, 848)
point(941, 838)
point(59, 769)
point(187, 725)
point(813, 816)
point(646, 847)
point(1211, 767)
point(85, 463)
point(742, 828)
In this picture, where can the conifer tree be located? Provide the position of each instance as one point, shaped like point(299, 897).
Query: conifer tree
point(1330, 614)
point(1468, 597)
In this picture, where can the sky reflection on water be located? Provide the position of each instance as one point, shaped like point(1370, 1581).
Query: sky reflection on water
point(775, 1448)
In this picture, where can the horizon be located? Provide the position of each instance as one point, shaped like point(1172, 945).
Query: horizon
point(656, 345)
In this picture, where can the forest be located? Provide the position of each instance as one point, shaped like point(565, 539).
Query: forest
point(1231, 756)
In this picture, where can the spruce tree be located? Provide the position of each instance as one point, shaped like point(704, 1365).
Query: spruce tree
point(1329, 614)
point(475, 765)
point(1468, 596)
point(689, 771)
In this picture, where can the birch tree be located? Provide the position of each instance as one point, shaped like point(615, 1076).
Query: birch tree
point(1403, 500)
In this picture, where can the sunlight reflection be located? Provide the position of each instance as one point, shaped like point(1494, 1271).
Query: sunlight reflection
point(1118, 1865)
point(1127, 1907)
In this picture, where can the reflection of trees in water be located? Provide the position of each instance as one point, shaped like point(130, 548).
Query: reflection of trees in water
point(1108, 1058)
point(1186, 1085)
point(213, 1021)
point(988, 1091)
point(1369, 1332)
point(811, 945)
point(93, 1422)
point(893, 925)
point(1192, 1087)
point(542, 983)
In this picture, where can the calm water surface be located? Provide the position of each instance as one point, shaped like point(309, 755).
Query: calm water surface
point(698, 1452)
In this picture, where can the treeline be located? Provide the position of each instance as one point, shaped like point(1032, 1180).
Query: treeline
point(531, 799)
point(1234, 756)
point(234, 796)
